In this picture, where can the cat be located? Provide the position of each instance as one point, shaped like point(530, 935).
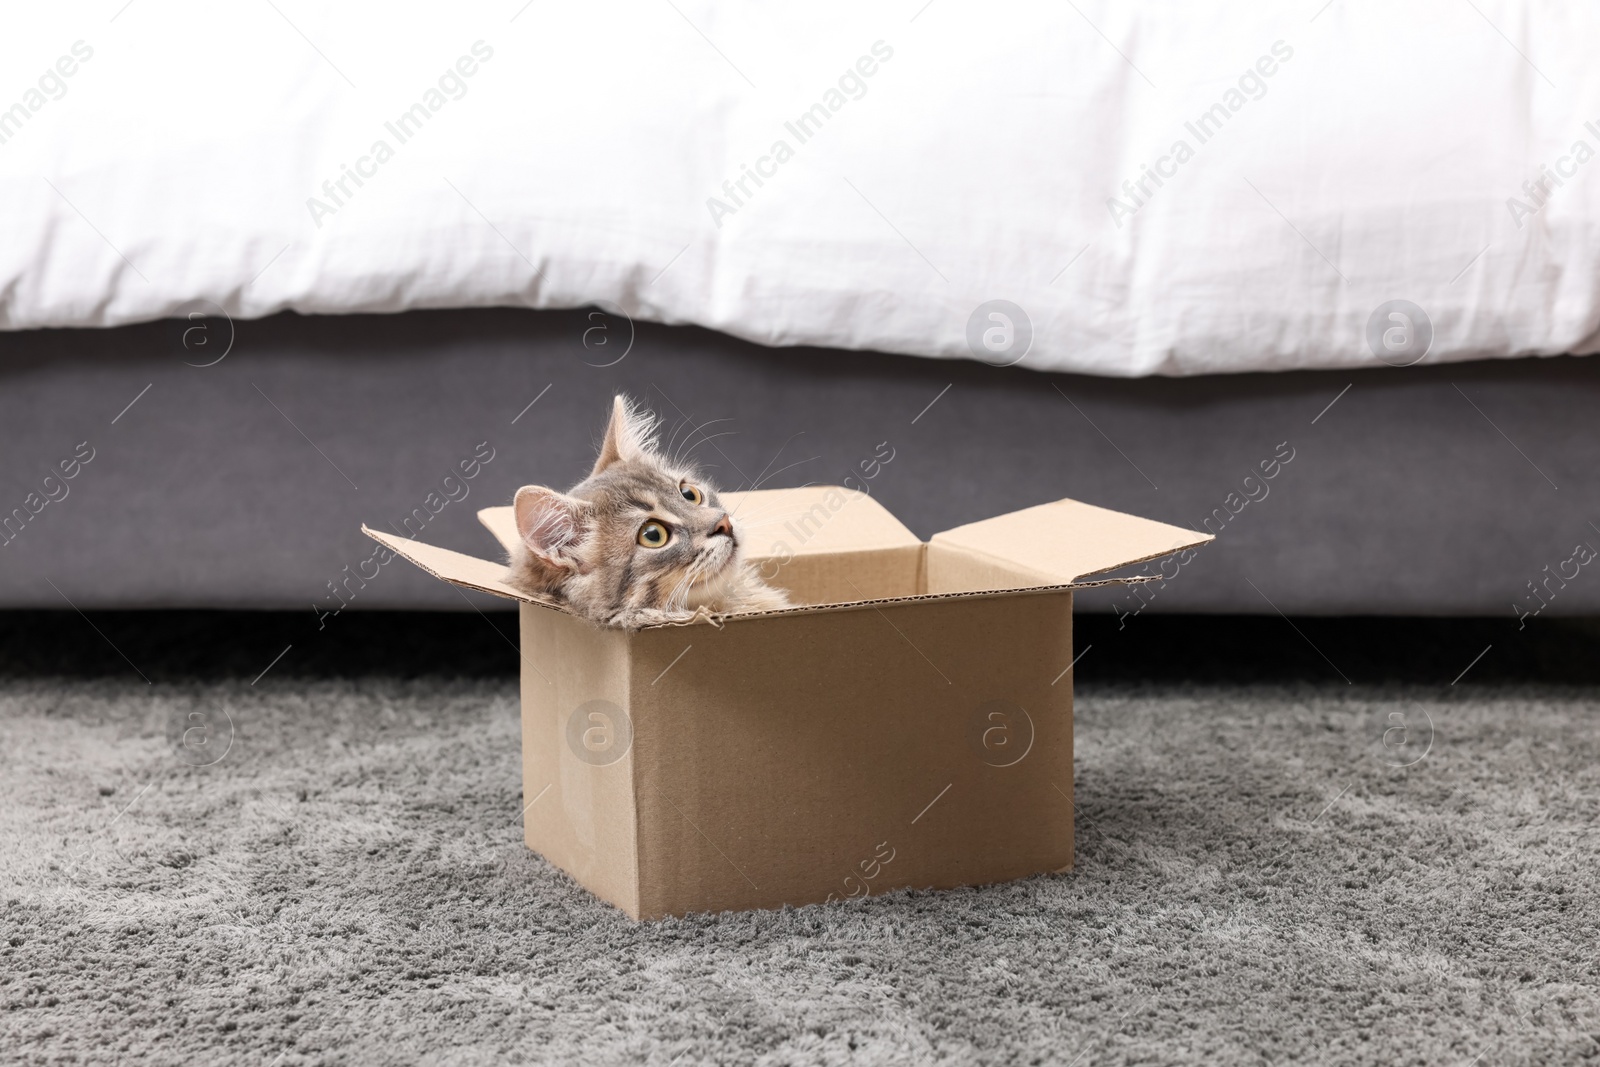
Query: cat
point(642, 540)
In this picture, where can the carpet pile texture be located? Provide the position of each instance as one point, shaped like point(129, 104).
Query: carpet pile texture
point(1266, 873)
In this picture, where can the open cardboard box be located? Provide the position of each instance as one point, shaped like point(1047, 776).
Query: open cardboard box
point(910, 725)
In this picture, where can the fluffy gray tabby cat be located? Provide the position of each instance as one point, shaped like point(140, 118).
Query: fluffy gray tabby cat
point(642, 540)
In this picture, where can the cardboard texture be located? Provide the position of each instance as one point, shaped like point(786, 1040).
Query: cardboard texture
point(909, 723)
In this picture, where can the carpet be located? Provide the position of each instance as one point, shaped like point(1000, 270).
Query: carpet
point(1267, 872)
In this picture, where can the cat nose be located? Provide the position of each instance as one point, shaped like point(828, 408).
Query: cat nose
point(723, 526)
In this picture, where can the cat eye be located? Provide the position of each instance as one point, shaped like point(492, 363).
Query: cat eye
point(653, 534)
point(692, 494)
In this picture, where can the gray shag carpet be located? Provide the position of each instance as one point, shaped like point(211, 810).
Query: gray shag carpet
point(1257, 882)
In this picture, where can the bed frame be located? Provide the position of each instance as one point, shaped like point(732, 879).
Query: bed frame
point(228, 465)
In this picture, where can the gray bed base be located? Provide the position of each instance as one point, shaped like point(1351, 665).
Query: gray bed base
point(241, 481)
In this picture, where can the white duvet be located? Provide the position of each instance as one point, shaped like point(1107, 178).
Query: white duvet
point(1111, 188)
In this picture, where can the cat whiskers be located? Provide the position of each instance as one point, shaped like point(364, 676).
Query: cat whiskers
point(685, 448)
point(667, 604)
point(676, 429)
point(699, 568)
point(765, 478)
point(762, 476)
point(682, 590)
point(684, 459)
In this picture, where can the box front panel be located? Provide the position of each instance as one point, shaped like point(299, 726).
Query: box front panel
point(795, 759)
point(577, 752)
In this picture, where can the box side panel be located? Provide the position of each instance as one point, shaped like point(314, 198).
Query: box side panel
point(843, 577)
point(796, 759)
point(577, 753)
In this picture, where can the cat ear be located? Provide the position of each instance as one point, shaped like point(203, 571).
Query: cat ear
point(627, 435)
point(551, 524)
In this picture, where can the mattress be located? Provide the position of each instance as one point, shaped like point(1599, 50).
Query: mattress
point(1116, 189)
point(181, 464)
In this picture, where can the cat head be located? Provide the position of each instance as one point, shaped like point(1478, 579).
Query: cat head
point(641, 531)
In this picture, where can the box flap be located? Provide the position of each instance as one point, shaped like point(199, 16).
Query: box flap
point(455, 567)
point(502, 522)
point(1067, 540)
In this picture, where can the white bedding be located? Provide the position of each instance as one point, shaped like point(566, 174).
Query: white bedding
point(961, 153)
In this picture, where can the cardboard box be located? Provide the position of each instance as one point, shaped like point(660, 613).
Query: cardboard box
point(911, 725)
